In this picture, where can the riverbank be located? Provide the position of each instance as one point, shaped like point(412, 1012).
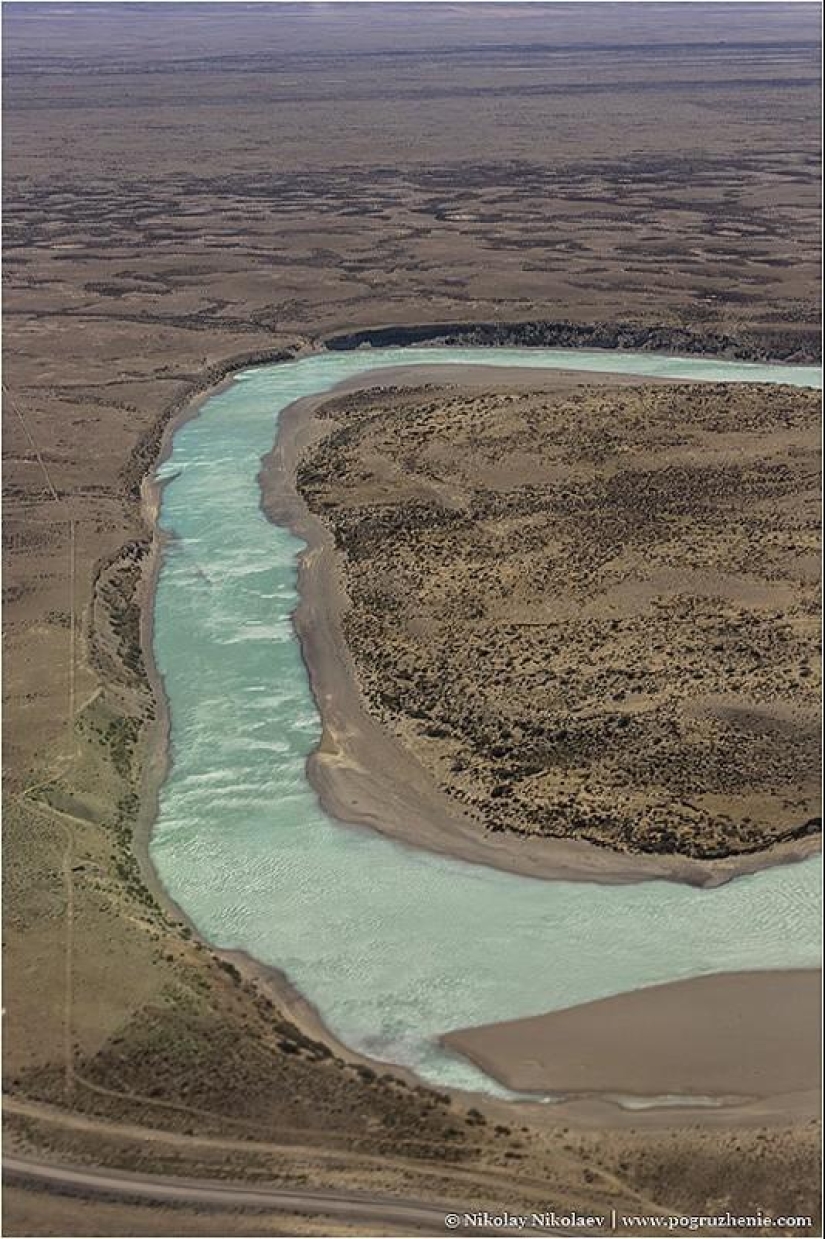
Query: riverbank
point(747, 1035)
point(140, 473)
point(629, 336)
point(157, 760)
point(362, 773)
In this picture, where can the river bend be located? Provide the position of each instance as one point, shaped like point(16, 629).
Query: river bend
point(392, 945)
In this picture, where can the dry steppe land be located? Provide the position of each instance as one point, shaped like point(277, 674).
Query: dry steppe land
point(186, 187)
point(590, 614)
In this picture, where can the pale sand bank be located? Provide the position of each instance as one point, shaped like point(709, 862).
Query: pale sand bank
point(741, 1034)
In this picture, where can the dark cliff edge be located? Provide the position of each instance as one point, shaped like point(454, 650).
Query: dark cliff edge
point(804, 348)
point(799, 347)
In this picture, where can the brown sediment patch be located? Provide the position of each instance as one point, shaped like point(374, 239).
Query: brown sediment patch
point(751, 1034)
point(363, 773)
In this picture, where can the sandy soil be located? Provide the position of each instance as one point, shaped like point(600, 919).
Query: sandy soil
point(738, 1034)
point(400, 792)
point(26, 1213)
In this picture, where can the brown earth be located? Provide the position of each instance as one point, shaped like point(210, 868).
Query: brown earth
point(589, 614)
point(182, 195)
point(50, 1216)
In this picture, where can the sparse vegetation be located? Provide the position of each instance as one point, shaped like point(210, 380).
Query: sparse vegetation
point(554, 602)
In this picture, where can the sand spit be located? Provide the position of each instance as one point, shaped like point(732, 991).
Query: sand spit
point(746, 1034)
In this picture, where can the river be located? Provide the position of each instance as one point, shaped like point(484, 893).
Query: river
point(392, 945)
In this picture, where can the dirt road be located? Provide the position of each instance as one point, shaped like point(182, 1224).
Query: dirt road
point(351, 1205)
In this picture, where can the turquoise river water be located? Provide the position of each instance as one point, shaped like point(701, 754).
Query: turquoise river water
point(393, 945)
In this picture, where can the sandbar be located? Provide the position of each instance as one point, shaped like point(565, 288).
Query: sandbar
point(745, 1034)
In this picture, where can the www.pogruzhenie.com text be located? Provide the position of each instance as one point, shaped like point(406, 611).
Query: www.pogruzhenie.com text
point(625, 1224)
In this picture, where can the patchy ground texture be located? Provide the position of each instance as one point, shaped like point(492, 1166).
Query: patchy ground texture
point(592, 614)
point(180, 196)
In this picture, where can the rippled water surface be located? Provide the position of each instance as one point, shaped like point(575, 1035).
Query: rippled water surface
point(393, 945)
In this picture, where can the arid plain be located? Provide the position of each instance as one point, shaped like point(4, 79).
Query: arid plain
point(185, 195)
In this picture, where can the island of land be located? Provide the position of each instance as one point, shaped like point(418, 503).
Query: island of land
point(581, 622)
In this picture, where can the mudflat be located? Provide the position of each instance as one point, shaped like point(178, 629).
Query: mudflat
point(550, 601)
point(745, 1034)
